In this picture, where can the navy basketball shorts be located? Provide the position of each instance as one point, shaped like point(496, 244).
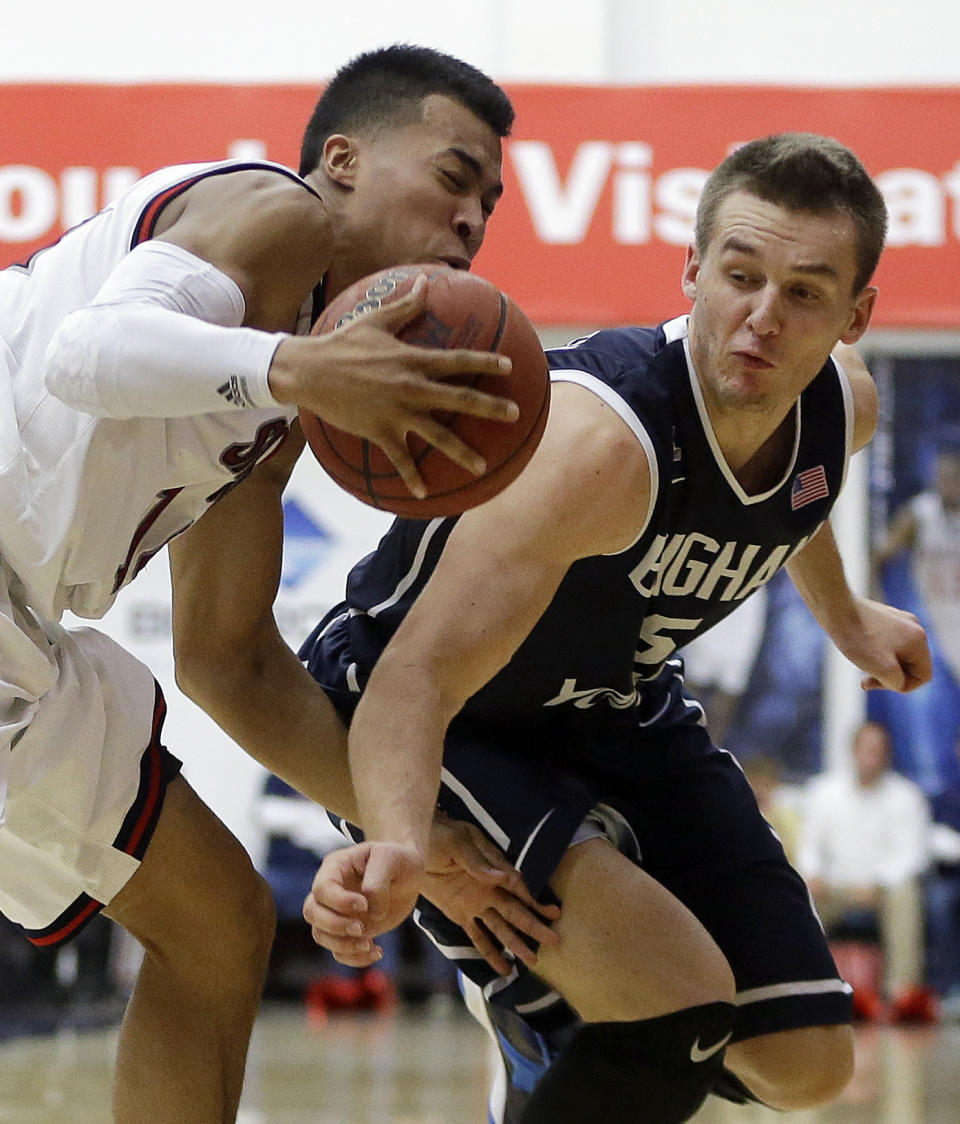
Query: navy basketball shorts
point(683, 809)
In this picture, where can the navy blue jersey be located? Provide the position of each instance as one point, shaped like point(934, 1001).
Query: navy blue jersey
point(600, 656)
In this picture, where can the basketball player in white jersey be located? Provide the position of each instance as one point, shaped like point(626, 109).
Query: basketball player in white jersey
point(150, 362)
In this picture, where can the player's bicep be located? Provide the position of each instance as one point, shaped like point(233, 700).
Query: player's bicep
point(864, 393)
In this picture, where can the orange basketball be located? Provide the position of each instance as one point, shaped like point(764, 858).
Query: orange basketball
point(463, 311)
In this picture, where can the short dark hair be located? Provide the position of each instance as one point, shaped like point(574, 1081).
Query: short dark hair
point(387, 87)
point(801, 172)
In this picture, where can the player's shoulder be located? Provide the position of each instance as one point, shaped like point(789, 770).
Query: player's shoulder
point(610, 350)
point(236, 186)
point(636, 370)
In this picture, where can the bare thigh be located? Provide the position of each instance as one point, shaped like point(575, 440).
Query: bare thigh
point(628, 948)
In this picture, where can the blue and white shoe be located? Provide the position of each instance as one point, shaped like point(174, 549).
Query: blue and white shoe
point(523, 1054)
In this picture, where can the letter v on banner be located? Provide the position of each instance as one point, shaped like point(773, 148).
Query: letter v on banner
point(561, 212)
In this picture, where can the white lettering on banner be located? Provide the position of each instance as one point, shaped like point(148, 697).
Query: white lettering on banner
point(924, 208)
point(561, 214)
point(33, 203)
point(28, 203)
point(631, 195)
point(645, 207)
point(916, 207)
point(677, 195)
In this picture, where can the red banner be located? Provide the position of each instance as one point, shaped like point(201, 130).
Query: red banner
point(601, 182)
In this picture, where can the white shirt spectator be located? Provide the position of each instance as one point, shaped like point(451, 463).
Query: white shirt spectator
point(856, 835)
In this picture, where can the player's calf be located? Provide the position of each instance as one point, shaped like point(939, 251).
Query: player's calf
point(795, 1069)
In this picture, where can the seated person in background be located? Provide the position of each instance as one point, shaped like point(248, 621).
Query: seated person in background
point(943, 899)
point(779, 809)
point(865, 842)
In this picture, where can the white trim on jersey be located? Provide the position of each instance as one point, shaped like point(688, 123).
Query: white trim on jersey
point(411, 575)
point(788, 990)
point(735, 485)
point(484, 819)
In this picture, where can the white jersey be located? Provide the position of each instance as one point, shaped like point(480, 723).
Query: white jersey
point(936, 570)
point(85, 501)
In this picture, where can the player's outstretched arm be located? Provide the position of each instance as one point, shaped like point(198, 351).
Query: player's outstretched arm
point(886, 643)
point(584, 492)
point(889, 645)
point(274, 239)
point(230, 657)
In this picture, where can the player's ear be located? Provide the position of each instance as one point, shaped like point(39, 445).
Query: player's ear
point(860, 317)
point(339, 159)
point(691, 270)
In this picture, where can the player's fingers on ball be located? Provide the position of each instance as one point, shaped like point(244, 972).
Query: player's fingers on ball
point(402, 310)
point(399, 456)
point(461, 361)
point(447, 442)
point(466, 400)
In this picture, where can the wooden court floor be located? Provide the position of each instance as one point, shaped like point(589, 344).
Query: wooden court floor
point(431, 1066)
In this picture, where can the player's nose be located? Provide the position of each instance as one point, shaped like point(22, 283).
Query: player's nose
point(470, 225)
point(765, 314)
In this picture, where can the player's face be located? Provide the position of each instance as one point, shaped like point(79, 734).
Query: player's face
point(773, 294)
point(424, 192)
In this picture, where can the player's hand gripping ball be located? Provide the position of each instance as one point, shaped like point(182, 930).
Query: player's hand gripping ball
point(462, 311)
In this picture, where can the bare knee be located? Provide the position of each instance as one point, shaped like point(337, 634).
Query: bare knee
point(795, 1069)
point(197, 904)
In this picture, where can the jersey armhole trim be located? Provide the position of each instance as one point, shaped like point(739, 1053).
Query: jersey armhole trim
point(616, 403)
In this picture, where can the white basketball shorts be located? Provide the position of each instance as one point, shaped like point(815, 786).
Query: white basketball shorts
point(80, 748)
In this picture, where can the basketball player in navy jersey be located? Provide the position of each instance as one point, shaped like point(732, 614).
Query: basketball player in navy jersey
point(151, 366)
point(519, 665)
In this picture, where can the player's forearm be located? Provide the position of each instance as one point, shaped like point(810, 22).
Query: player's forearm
point(818, 575)
point(278, 714)
point(396, 752)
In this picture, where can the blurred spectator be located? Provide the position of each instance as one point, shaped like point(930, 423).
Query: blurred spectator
point(928, 527)
point(780, 808)
point(919, 559)
point(42, 988)
point(943, 899)
point(864, 845)
point(718, 664)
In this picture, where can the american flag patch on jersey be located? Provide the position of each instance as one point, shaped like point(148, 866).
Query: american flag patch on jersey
point(809, 485)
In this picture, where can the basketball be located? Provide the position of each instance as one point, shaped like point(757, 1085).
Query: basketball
point(462, 311)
